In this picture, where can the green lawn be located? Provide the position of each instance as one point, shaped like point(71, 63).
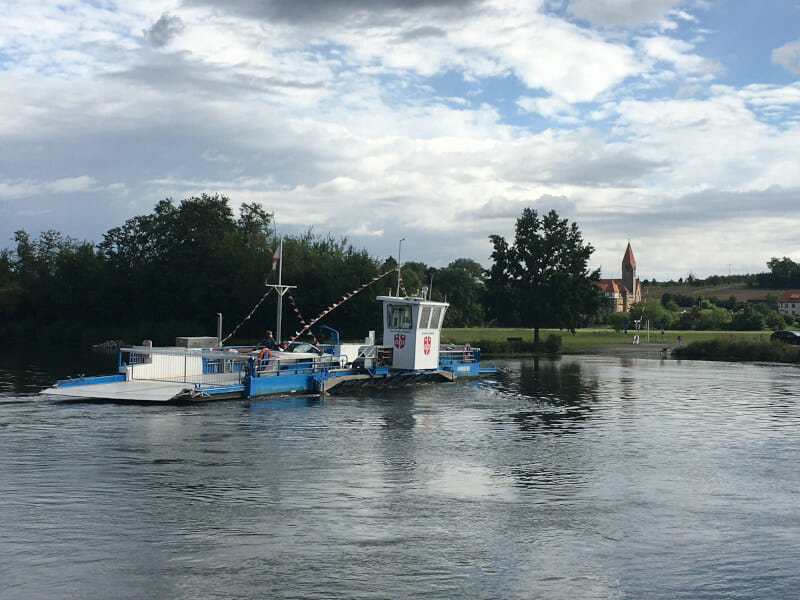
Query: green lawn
point(591, 336)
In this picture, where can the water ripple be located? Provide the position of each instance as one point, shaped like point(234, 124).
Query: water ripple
point(582, 477)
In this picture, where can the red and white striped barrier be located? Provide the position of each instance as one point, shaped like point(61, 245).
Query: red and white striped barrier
point(336, 305)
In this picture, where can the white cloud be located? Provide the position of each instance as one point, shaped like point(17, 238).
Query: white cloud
point(678, 53)
point(611, 13)
point(17, 189)
point(496, 38)
point(26, 188)
point(550, 107)
point(715, 143)
point(779, 104)
point(333, 122)
point(788, 56)
point(363, 230)
point(565, 61)
point(67, 185)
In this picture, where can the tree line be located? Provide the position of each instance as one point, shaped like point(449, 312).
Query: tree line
point(170, 272)
point(784, 273)
point(684, 312)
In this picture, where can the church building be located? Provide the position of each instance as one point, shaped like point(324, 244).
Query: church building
point(622, 293)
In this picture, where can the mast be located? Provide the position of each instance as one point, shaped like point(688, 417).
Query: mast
point(399, 248)
point(281, 289)
point(281, 292)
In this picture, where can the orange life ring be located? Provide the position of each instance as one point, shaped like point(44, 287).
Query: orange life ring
point(262, 353)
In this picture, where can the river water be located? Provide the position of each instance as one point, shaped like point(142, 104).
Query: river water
point(584, 477)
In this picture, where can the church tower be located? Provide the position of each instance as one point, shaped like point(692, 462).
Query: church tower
point(629, 270)
point(621, 294)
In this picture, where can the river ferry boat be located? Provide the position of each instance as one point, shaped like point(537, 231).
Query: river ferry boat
point(410, 350)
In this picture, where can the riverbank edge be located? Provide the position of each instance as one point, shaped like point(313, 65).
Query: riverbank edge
point(738, 350)
point(717, 349)
point(743, 346)
point(661, 350)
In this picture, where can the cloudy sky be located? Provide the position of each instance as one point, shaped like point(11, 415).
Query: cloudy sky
point(672, 123)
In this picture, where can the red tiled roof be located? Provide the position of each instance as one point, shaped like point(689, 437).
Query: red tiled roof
point(610, 285)
point(790, 296)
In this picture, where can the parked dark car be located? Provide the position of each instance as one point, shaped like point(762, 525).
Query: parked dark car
point(787, 337)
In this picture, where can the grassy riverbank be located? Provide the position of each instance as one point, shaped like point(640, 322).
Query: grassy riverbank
point(753, 346)
point(494, 340)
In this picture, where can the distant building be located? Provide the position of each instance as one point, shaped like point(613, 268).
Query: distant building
point(622, 293)
point(789, 303)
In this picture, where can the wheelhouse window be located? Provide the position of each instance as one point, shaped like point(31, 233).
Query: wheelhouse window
point(398, 317)
point(425, 317)
point(436, 317)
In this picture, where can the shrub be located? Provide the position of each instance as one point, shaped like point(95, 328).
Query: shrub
point(617, 321)
point(748, 319)
point(735, 349)
point(553, 343)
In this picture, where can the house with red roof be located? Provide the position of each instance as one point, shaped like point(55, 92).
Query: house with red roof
point(789, 303)
point(622, 293)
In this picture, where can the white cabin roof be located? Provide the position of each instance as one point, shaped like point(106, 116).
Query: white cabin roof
point(411, 300)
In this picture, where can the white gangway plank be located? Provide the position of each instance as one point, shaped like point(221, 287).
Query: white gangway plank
point(143, 391)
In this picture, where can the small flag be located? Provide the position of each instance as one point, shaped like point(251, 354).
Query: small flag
point(276, 257)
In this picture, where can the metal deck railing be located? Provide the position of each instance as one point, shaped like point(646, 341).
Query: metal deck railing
point(459, 356)
point(273, 366)
point(181, 365)
point(217, 367)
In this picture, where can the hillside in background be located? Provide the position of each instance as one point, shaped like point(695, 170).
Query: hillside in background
point(722, 292)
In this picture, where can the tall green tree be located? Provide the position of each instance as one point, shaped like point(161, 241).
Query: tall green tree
point(178, 266)
point(784, 273)
point(748, 319)
point(461, 283)
point(415, 276)
point(543, 278)
point(325, 270)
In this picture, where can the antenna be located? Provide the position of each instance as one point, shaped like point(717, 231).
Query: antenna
point(399, 248)
point(281, 289)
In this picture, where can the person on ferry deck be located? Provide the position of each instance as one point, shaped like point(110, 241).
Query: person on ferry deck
point(268, 341)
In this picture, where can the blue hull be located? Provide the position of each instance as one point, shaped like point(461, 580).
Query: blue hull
point(303, 377)
point(327, 381)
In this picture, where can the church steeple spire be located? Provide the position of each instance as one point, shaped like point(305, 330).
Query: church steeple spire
point(628, 258)
point(629, 270)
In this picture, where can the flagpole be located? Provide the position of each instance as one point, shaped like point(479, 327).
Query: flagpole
point(399, 248)
point(280, 292)
point(280, 288)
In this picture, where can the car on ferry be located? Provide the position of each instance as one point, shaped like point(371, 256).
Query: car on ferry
point(300, 350)
point(787, 337)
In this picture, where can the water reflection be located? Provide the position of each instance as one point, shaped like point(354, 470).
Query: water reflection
point(28, 370)
point(399, 413)
point(397, 440)
point(560, 396)
point(686, 490)
point(284, 402)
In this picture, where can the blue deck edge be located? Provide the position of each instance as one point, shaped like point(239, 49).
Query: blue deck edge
point(90, 380)
point(296, 379)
